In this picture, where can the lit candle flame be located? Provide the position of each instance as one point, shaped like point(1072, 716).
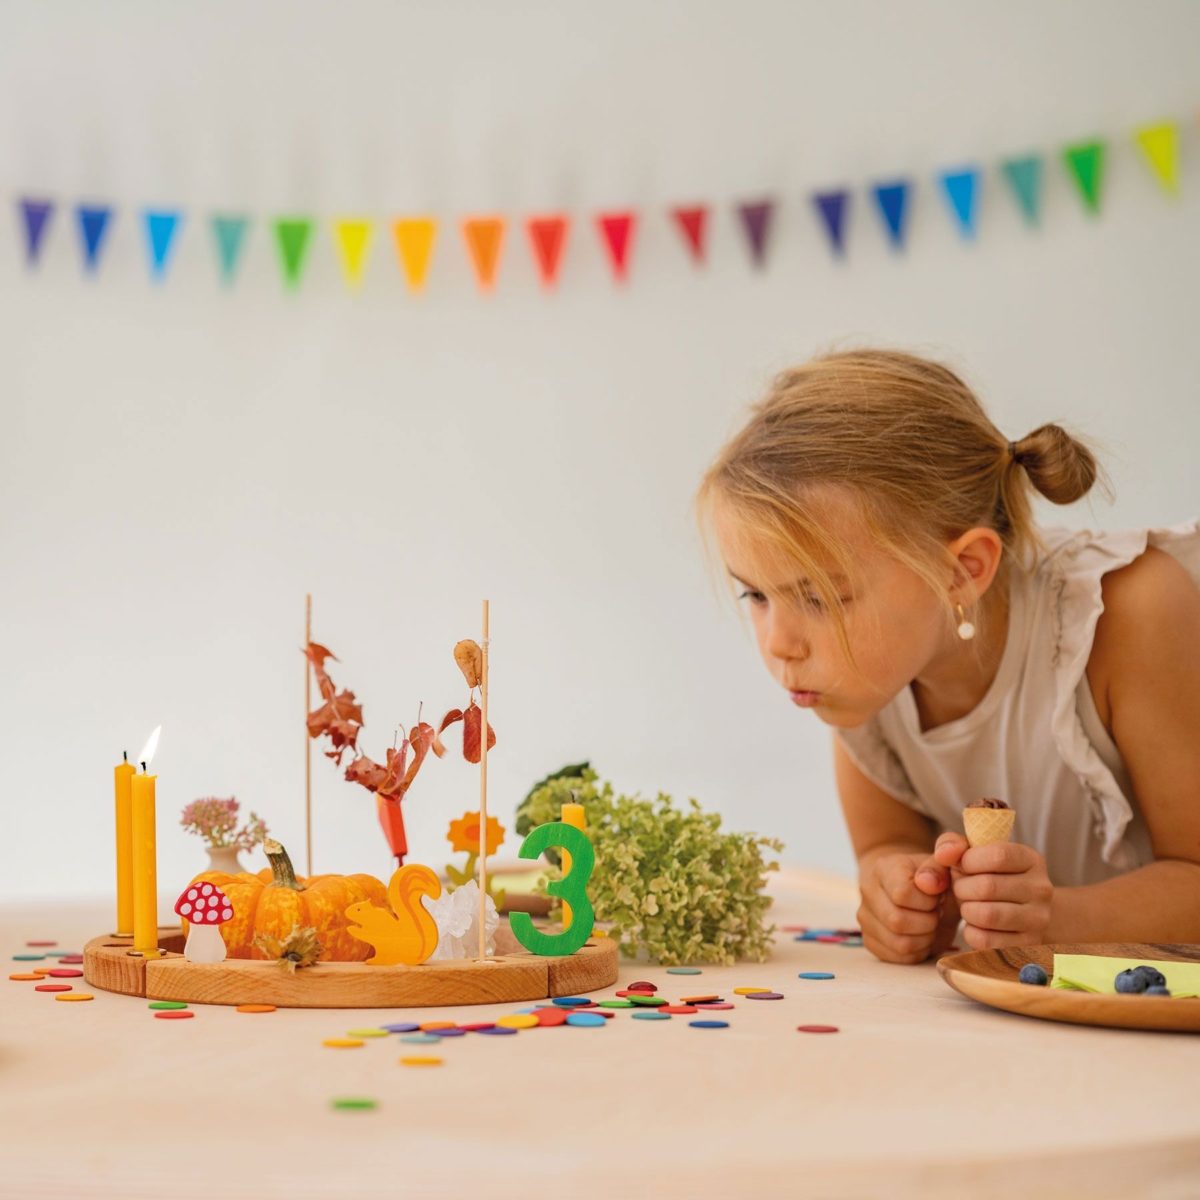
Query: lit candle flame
point(149, 748)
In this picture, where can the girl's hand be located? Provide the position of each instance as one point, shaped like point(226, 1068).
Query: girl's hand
point(901, 923)
point(1003, 891)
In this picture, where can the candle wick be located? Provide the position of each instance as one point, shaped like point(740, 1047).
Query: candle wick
point(125, 755)
point(143, 768)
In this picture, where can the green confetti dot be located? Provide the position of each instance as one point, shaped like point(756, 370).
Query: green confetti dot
point(648, 1014)
point(615, 1004)
point(166, 1004)
point(359, 1103)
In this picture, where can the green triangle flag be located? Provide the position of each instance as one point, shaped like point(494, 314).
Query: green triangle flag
point(1085, 164)
point(229, 232)
point(1024, 176)
point(292, 234)
point(1160, 145)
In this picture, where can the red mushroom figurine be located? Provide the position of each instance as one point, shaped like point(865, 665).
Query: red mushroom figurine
point(205, 908)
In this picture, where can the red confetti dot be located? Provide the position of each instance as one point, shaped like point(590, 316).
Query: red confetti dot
point(174, 1014)
point(65, 973)
point(53, 987)
point(551, 1016)
point(41, 943)
point(817, 1028)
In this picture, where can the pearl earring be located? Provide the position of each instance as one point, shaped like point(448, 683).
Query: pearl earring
point(966, 630)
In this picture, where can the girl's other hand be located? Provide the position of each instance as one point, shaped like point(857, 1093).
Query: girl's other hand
point(1003, 891)
point(900, 922)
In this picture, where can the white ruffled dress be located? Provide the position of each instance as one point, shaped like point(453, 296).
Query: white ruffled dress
point(1035, 739)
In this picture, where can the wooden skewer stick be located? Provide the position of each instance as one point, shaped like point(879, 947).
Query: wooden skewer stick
point(307, 739)
point(483, 753)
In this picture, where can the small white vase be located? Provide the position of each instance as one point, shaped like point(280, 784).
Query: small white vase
point(224, 858)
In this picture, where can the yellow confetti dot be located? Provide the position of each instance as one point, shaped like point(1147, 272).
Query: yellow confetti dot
point(39, 971)
point(366, 1033)
point(343, 1043)
point(426, 1026)
point(748, 991)
point(420, 1060)
point(69, 996)
point(519, 1021)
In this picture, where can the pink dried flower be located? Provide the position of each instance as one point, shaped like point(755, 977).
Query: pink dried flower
point(215, 821)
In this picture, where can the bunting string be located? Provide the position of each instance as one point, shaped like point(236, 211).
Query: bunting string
point(415, 237)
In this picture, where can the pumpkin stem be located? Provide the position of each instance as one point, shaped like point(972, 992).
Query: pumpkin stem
point(281, 866)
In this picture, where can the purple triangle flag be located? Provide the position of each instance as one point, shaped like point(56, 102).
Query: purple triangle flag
point(93, 224)
point(756, 221)
point(832, 207)
point(35, 215)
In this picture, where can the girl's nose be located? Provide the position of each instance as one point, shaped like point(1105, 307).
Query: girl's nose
point(786, 640)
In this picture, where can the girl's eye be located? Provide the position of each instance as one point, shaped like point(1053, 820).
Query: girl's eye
point(753, 597)
point(814, 602)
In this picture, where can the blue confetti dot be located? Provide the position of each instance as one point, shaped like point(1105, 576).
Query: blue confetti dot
point(570, 1001)
point(816, 975)
point(401, 1027)
point(709, 1024)
point(648, 1014)
point(586, 1018)
point(498, 1031)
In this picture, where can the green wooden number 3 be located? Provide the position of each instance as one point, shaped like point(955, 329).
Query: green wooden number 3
point(572, 888)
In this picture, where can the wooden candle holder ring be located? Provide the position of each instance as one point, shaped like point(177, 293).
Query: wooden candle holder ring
point(513, 975)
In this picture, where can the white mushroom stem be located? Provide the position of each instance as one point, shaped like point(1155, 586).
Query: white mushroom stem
point(204, 944)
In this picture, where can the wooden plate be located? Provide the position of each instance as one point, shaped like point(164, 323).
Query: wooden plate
point(990, 976)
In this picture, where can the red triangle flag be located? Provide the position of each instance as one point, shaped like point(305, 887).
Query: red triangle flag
point(693, 223)
point(617, 230)
point(548, 236)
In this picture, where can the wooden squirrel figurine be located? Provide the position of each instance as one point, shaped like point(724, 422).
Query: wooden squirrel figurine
point(408, 934)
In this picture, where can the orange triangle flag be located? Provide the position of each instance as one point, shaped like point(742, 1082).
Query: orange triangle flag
point(414, 244)
point(617, 230)
point(548, 236)
point(484, 237)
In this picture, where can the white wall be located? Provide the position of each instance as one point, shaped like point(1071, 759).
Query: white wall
point(180, 465)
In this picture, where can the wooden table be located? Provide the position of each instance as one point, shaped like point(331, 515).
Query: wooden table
point(921, 1093)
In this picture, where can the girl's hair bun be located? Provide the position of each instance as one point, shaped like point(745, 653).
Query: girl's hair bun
point(1059, 466)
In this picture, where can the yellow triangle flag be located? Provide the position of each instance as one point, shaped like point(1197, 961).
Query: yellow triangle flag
point(414, 244)
point(353, 238)
point(484, 236)
point(1160, 145)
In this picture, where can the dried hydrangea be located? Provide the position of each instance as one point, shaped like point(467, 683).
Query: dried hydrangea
point(669, 881)
point(216, 822)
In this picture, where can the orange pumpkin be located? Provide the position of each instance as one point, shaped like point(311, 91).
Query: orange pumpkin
point(274, 900)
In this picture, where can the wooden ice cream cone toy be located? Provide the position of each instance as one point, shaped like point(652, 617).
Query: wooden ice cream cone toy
point(987, 821)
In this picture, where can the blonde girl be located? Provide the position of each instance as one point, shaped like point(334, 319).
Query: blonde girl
point(879, 528)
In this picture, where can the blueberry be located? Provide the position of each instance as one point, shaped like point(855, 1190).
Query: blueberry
point(1153, 978)
point(1130, 981)
point(1032, 973)
point(1157, 990)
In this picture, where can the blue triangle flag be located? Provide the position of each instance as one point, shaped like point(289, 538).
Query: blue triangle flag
point(93, 224)
point(1024, 176)
point(229, 233)
point(892, 199)
point(832, 207)
point(160, 232)
point(962, 190)
point(35, 217)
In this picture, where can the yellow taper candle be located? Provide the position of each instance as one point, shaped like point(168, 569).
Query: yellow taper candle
point(572, 814)
point(122, 774)
point(145, 867)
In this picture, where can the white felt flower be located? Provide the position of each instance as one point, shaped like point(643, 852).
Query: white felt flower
point(456, 914)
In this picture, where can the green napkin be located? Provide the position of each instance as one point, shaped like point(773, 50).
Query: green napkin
point(1096, 973)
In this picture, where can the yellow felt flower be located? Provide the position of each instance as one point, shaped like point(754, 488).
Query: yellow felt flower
point(464, 833)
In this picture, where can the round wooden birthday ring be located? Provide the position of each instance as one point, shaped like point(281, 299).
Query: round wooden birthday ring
point(514, 974)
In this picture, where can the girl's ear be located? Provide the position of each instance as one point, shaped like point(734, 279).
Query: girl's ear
point(977, 553)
